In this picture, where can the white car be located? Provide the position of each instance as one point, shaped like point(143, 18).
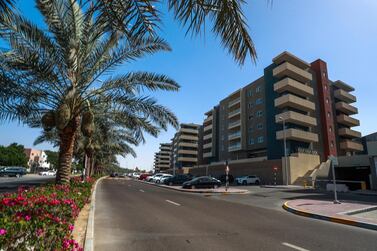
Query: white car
point(162, 178)
point(154, 177)
point(246, 180)
point(135, 175)
point(48, 173)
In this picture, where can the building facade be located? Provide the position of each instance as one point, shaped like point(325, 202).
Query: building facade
point(36, 158)
point(162, 158)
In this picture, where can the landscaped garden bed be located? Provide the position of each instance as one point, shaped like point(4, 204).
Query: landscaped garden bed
point(43, 218)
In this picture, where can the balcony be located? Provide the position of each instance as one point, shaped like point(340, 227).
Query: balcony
point(289, 70)
point(298, 135)
point(348, 133)
point(234, 147)
point(288, 57)
point(207, 155)
point(235, 135)
point(293, 86)
point(187, 159)
point(189, 137)
point(206, 146)
point(344, 96)
point(187, 144)
point(296, 118)
point(181, 151)
point(208, 136)
point(343, 86)
point(208, 119)
point(234, 113)
point(165, 148)
point(349, 145)
point(234, 102)
point(207, 128)
point(347, 120)
point(346, 108)
point(290, 100)
point(234, 124)
point(189, 130)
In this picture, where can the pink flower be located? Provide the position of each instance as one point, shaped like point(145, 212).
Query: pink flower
point(71, 227)
point(3, 231)
point(39, 232)
point(27, 217)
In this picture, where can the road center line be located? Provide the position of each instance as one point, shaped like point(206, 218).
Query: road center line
point(141, 190)
point(172, 202)
point(294, 246)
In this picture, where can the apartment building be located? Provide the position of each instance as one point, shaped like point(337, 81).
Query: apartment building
point(294, 100)
point(185, 147)
point(162, 158)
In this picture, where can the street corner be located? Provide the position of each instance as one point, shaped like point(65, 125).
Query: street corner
point(348, 213)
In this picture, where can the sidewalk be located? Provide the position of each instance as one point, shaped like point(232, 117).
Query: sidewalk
point(354, 214)
point(220, 190)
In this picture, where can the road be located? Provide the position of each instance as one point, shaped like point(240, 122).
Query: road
point(10, 184)
point(130, 215)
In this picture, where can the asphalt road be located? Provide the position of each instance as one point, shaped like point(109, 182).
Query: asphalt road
point(10, 184)
point(134, 216)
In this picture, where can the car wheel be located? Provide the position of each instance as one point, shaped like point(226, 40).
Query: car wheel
point(193, 187)
point(244, 182)
point(215, 186)
point(257, 182)
point(18, 175)
point(170, 183)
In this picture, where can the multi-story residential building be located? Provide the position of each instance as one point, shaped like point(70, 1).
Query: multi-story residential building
point(36, 158)
point(185, 148)
point(162, 158)
point(299, 95)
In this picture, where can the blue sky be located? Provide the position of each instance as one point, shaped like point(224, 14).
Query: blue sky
point(341, 32)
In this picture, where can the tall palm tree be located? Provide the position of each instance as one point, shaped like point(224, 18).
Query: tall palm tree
point(59, 77)
point(225, 18)
point(5, 7)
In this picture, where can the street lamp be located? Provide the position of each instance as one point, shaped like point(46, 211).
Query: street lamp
point(285, 151)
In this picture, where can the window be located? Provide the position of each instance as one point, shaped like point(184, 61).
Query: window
point(258, 89)
point(260, 139)
point(259, 113)
point(222, 137)
point(259, 101)
point(327, 100)
point(330, 128)
point(250, 93)
point(328, 114)
point(260, 126)
point(251, 116)
point(250, 104)
point(251, 129)
point(251, 141)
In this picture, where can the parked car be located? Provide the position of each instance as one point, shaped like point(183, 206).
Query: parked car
point(13, 171)
point(154, 177)
point(114, 175)
point(177, 179)
point(246, 180)
point(144, 176)
point(202, 182)
point(135, 175)
point(48, 173)
point(223, 178)
point(162, 178)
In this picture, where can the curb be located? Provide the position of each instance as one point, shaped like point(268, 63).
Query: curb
point(89, 236)
point(339, 220)
point(191, 191)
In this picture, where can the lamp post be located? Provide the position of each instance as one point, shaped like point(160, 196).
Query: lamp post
point(285, 151)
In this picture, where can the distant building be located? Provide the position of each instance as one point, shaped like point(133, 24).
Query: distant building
point(36, 158)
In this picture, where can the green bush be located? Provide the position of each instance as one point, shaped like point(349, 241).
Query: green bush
point(42, 218)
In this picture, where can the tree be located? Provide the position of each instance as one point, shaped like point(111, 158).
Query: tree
point(52, 158)
point(6, 6)
point(13, 155)
point(55, 79)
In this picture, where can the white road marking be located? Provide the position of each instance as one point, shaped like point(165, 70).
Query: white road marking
point(294, 246)
point(172, 202)
point(141, 190)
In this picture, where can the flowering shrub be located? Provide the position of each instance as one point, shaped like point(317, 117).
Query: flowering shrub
point(42, 218)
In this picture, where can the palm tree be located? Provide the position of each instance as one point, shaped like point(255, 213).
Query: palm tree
point(58, 78)
point(225, 18)
point(5, 7)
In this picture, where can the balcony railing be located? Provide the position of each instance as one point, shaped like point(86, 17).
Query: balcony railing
point(234, 102)
point(234, 124)
point(234, 113)
point(234, 147)
point(234, 135)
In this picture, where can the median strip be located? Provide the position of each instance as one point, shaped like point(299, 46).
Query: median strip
point(294, 246)
point(172, 202)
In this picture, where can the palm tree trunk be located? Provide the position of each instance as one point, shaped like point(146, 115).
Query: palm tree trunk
point(67, 141)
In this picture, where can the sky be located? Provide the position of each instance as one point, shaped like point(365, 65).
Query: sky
point(341, 32)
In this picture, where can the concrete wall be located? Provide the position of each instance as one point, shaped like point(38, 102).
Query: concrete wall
point(261, 168)
point(299, 164)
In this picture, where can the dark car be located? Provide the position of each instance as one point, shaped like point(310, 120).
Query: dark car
point(13, 171)
point(177, 179)
point(202, 182)
point(223, 178)
point(114, 175)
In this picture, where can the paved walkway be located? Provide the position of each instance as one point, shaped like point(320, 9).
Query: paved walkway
point(350, 213)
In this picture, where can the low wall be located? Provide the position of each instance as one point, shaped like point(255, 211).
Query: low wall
point(263, 169)
point(300, 164)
